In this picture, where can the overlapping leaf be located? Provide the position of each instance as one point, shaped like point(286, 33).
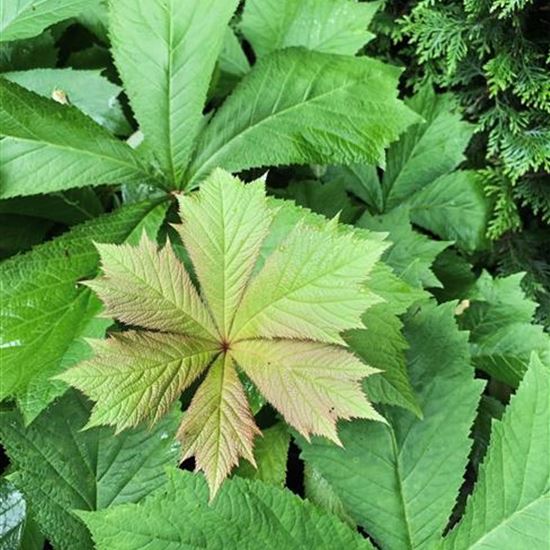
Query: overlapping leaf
point(280, 326)
point(165, 52)
point(399, 481)
point(330, 26)
point(26, 18)
point(44, 310)
point(50, 147)
point(510, 505)
point(246, 514)
point(61, 468)
point(321, 111)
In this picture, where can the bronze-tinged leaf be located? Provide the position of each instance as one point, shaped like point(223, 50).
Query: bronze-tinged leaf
point(218, 427)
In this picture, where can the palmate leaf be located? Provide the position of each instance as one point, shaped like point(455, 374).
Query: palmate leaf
point(26, 18)
point(60, 467)
point(325, 25)
point(294, 354)
point(399, 481)
point(321, 111)
point(246, 514)
point(50, 147)
point(44, 310)
point(165, 52)
point(510, 505)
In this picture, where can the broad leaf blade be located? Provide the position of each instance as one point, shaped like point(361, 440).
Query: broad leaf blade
point(26, 18)
point(326, 109)
point(510, 505)
point(500, 321)
point(223, 227)
point(381, 343)
point(165, 53)
point(310, 383)
point(330, 26)
point(400, 481)
point(267, 518)
point(43, 307)
point(218, 427)
point(443, 206)
point(150, 288)
point(90, 91)
point(136, 376)
point(310, 287)
point(427, 150)
point(61, 468)
point(52, 147)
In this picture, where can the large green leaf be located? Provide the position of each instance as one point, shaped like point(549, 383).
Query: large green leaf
point(25, 18)
point(443, 205)
point(245, 514)
point(510, 505)
point(381, 343)
point(166, 52)
point(91, 92)
point(323, 109)
point(43, 308)
point(400, 481)
point(330, 26)
point(52, 147)
point(500, 321)
point(61, 468)
point(427, 150)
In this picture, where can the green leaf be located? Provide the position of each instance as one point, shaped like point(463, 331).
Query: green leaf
point(61, 468)
point(428, 149)
point(382, 345)
point(13, 512)
point(329, 199)
point(165, 53)
point(329, 26)
point(42, 307)
point(510, 505)
point(181, 514)
point(91, 92)
point(26, 18)
point(399, 481)
point(271, 456)
point(51, 147)
point(319, 492)
point(232, 59)
point(361, 180)
point(499, 318)
point(412, 254)
point(67, 207)
point(224, 246)
point(310, 287)
point(326, 109)
point(288, 314)
point(42, 389)
point(443, 206)
point(30, 53)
